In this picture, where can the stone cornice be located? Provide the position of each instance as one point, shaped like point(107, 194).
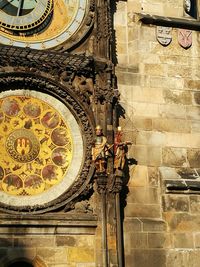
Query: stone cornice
point(185, 23)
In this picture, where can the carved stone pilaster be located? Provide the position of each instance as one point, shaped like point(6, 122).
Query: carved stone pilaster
point(101, 183)
point(116, 183)
point(103, 28)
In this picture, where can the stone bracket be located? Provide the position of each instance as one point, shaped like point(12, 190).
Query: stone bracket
point(184, 186)
point(191, 24)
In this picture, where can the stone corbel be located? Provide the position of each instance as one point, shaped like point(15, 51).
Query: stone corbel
point(184, 23)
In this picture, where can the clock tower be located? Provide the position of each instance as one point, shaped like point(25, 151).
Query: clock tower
point(57, 84)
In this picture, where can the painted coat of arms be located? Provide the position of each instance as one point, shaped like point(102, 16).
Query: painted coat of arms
point(163, 35)
point(185, 38)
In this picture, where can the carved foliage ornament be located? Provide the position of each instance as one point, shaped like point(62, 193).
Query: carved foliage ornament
point(40, 130)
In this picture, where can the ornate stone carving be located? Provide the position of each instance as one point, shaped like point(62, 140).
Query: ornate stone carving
point(104, 28)
point(84, 86)
point(85, 119)
point(101, 183)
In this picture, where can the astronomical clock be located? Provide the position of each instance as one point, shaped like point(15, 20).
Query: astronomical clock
point(44, 24)
point(53, 93)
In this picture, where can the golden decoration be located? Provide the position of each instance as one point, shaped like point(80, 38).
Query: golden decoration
point(63, 14)
point(36, 146)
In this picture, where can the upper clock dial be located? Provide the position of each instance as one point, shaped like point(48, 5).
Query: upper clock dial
point(23, 15)
point(41, 24)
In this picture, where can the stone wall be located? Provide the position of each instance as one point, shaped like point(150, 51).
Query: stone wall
point(159, 87)
point(49, 243)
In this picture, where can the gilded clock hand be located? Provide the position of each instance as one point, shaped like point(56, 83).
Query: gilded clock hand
point(21, 2)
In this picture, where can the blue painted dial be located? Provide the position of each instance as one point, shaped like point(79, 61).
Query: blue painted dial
point(24, 15)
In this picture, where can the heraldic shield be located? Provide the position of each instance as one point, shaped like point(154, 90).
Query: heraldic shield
point(185, 38)
point(163, 34)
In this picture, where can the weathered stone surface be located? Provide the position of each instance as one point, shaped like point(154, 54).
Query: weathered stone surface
point(183, 240)
point(129, 78)
point(151, 225)
point(34, 242)
point(178, 97)
point(142, 195)
point(197, 98)
point(146, 258)
point(194, 157)
point(192, 112)
point(6, 242)
point(174, 156)
point(195, 204)
point(142, 123)
point(138, 176)
point(3, 253)
point(177, 258)
point(182, 222)
point(136, 240)
point(172, 111)
point(142, 210)
point(147, 155)
point(182, 140)
point(54, 255)
point(197, 240)
point(132, 225)
point(154, 69)
point(153, 176)
point(175, 203)
point(159, 240)
point(168, 173)
point(189, 173)
point(192, 84)
point(151, 138)
point(195, 126)
point(16, 253)
point(171, 125)
point(170, 82)
point(179, 70)
point(65, 241)
point(175, 186)
point(80, 255)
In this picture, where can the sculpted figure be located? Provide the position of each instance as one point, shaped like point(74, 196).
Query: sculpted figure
point(100, 151)
point(187, 5)
point(83, 84)
point(119, 150)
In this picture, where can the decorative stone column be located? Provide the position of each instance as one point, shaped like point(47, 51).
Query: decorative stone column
point(101, 182)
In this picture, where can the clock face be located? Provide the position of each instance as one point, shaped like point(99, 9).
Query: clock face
point(21, 16)
point(41, 148)
point(40, 24)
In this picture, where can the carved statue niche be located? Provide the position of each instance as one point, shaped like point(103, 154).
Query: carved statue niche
point(84, 86)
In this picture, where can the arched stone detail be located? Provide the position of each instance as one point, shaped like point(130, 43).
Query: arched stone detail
point(39, 262)
point(84, 118)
